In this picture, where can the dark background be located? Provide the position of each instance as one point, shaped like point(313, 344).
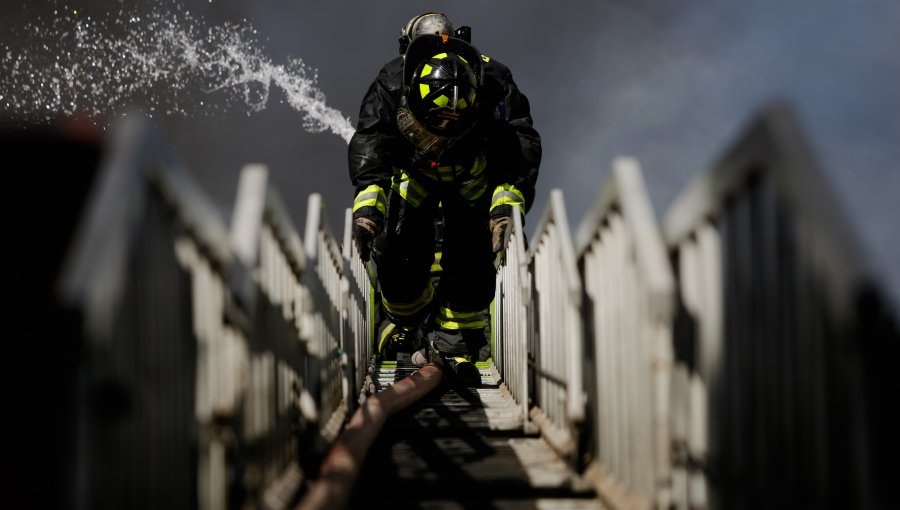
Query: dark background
point(671, 83)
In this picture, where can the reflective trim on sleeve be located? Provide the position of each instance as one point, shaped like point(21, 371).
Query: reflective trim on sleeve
point(507, 194)
point(373, 196)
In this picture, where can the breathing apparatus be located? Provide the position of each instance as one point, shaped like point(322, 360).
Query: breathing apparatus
point(433, 23)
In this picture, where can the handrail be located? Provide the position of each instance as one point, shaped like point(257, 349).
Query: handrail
point(628, 309)
point(770, 349)
point(511, 332)
point(226, 345)
point(357, 311)
point(557, 345)
point(322, 323)
point(737, 357)
point(93, 276)
point(773, 145)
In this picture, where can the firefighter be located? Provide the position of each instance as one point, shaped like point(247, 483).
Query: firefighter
point(443, 134)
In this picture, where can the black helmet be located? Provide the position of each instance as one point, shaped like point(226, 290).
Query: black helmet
point(442, 77)
point(442, 94)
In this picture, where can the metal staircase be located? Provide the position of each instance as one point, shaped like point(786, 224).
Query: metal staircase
point(735, 354)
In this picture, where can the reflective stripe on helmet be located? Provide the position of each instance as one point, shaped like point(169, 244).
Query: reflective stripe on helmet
point(507, 194)
point(410, 190)
point(410, 309)
point(450, 319)
point(424, 89)
point(426, 70)
point(372, 196)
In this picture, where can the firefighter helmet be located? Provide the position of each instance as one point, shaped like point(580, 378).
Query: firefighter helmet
point(442, 94)
point(428, 23)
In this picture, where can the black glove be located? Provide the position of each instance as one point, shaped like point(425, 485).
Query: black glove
point(365, 230)
point(499, 226)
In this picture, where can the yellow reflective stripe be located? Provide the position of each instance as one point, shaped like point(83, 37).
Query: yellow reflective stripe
point(507, 194)
point(474, 189)
point(373, 196)
point(464, 60)
point(449, 319)
point(440, 56)
point(457, 325)
point(407, 309)
point(441, 101)
point(426, 70)
point(424, 89)
point(478, 166)
point(450, 314)
point(436, 265)
point(445, 173)
point(486, 58)
point(385, 334)
point(409, 189)
point(508, 188)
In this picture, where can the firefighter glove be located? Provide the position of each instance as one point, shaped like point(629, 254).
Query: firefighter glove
point(365, 230)
point(499, 226)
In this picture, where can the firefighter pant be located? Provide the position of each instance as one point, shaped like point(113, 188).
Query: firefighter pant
point(404, 254)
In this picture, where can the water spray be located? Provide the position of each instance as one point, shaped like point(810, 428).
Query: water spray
point(160, 63)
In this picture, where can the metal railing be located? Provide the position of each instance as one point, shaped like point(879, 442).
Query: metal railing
point(743, 367)
point(511, 325)
point(281, 378)
point(357, 310)
point(323, 319)
point(145, 275)
point(213, 373)
point(769, 395)
point(628, 308)
point(556, 343)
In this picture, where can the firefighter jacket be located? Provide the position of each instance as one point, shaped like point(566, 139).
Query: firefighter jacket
point(503, 140)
